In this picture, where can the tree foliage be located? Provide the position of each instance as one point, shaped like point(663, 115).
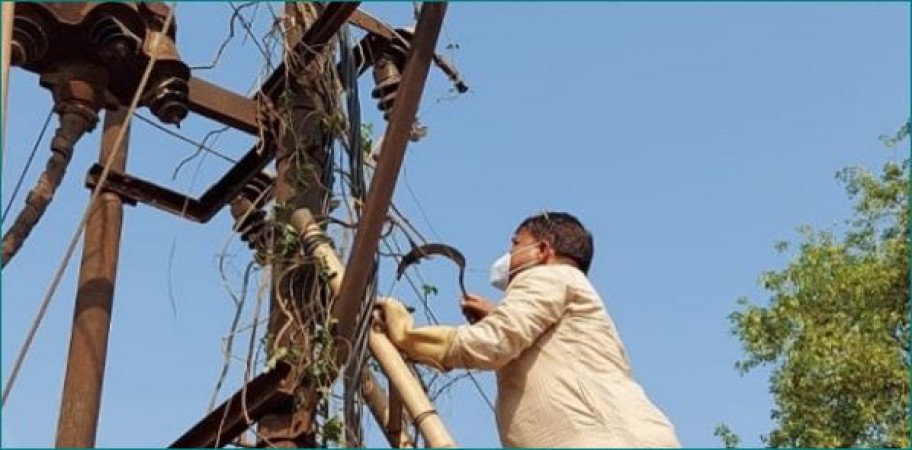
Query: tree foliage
point(836, 329)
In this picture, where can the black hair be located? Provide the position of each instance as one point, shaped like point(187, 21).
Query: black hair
point(567, 236)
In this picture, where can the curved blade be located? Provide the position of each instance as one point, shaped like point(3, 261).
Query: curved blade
point(426, 251)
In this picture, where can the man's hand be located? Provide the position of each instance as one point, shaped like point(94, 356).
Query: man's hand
point(475, 307)
point(396, 319)
point(428, 345)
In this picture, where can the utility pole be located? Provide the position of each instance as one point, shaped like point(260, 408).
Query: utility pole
point(303, 180)
point(78, 421)
point(352, 288)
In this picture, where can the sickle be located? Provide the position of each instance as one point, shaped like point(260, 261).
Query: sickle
point(426, 251)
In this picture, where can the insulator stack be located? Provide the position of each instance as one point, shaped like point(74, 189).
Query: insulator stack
point(121, 38)
point(388, 72)
point(248, 210)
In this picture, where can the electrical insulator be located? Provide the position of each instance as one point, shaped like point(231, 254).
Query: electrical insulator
point(387, 78)
point(388, 71)
point(249, 214)
point(113, 40)
point(120, 37)
point(168, 100)
point(30, 40)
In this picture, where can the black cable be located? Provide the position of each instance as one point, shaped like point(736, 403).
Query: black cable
point(249, 31)
point(174, 134)
point(357, 185)
point(353, 106)
point(28, 164)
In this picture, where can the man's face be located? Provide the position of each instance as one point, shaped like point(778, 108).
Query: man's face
point(526, 251)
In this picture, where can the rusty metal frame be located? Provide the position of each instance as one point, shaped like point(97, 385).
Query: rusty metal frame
point(330, 21)
point(198, 210)
point(265, 393)
point(227, 422)
point(223, 106)
point(236, 111)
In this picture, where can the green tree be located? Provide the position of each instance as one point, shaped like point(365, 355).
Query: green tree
point(836, 329)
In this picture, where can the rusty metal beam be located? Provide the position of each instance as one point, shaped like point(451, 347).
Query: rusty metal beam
point(316, 36)
point(231, 184)
point(305, 142)
point(138, 190)
point(135, 189)
point(264, 394)
point(81, 402)
point(376, 207)
point(371, 24)
point(223, 106)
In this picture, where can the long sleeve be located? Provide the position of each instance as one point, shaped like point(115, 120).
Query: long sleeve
point(534, 301)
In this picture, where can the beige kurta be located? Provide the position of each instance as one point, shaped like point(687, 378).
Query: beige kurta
point(563, 376)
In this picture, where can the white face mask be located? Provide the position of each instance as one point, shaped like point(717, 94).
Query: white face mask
point(500, 270)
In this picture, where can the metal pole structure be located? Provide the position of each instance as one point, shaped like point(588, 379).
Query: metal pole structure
point(82, 386)
point(5, 48)
point(301, 162)
point(352, 288)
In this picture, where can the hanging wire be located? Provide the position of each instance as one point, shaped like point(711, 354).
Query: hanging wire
point(199, 145)
point(221, 49)
point(249, 31)
point(28, 164)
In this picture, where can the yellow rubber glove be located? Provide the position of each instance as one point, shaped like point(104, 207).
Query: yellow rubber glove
point(428, 345)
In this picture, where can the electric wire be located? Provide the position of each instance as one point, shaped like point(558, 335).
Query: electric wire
point(28, 164)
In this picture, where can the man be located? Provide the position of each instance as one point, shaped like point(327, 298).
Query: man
point(563, 376)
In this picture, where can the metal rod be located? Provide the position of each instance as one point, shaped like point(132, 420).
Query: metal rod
point(82, 387)
point(224, 106)
point(380, 194)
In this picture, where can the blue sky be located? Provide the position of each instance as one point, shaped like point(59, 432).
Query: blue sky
point(688, 137)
